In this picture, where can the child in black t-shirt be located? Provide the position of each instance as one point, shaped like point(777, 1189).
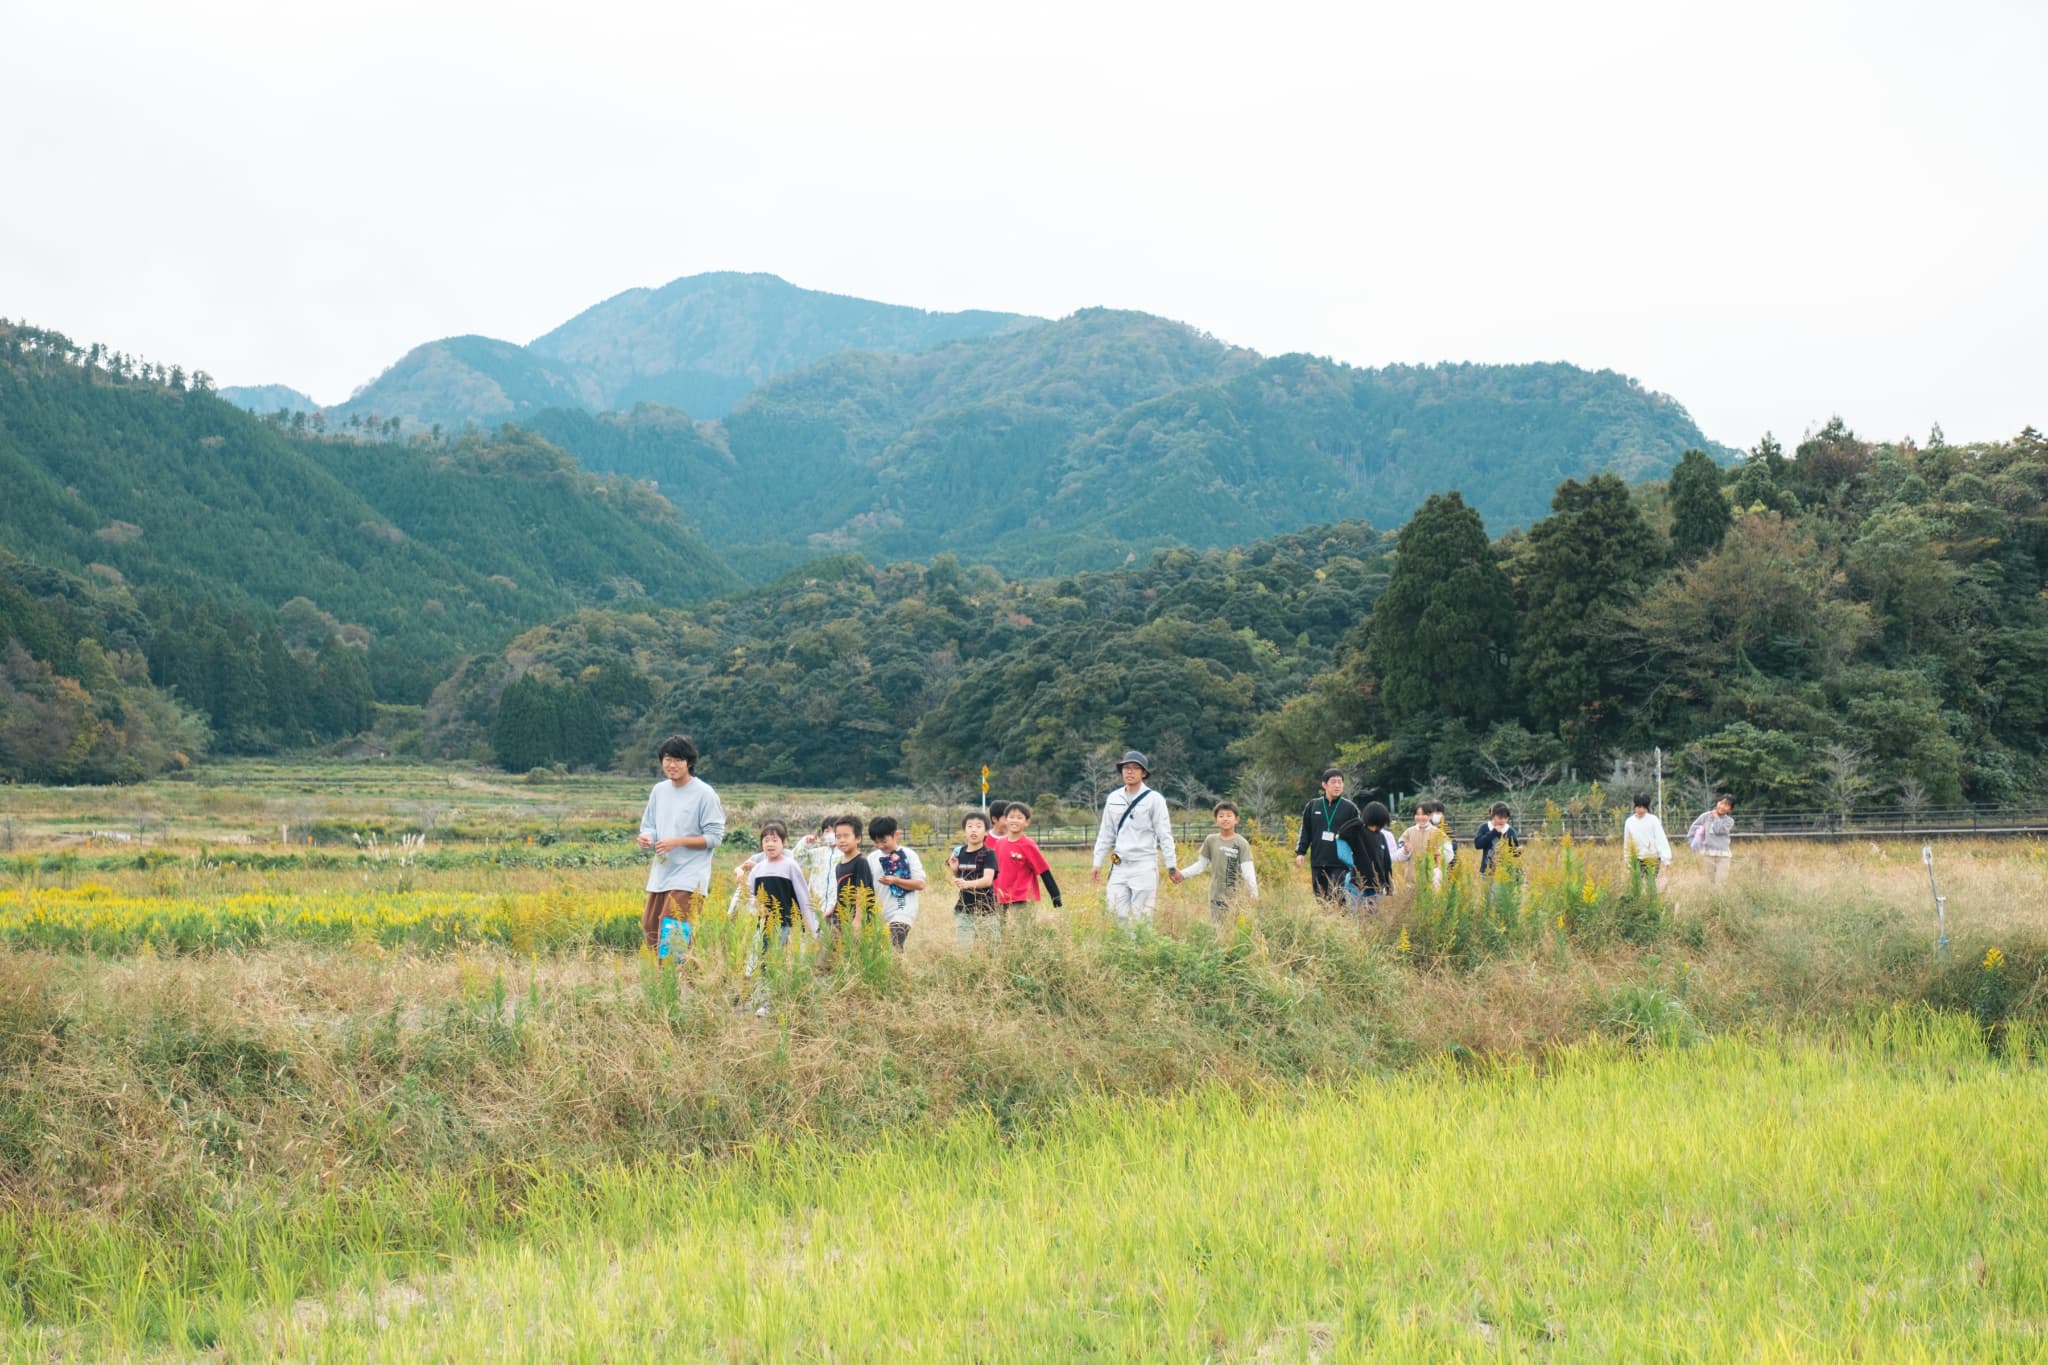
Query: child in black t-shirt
point(975, 915)
point(853, 878)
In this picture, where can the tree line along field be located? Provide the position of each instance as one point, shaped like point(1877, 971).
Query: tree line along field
point(262, 1098)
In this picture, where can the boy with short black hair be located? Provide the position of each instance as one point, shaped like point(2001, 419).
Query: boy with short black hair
point(899, 876)
point(1021, 864)
point(853, 877)
point(1226, 856)
point(976, 914)
point(1496, 840)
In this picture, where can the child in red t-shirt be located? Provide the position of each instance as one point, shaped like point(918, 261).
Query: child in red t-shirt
point(1020, 865)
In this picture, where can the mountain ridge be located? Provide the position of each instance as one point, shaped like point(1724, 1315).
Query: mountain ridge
point(1107, 433)
point(700, 343)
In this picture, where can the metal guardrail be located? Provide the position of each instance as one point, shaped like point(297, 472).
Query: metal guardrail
point(1962, 821)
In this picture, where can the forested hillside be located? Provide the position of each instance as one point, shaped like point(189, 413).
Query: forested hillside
point(847, 673)
point(1077, 443)
point(1858, 624)
point(180, 507)
point(467, 381)
point(76, 701)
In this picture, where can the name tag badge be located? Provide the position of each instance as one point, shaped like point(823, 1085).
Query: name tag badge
point(1328, 837)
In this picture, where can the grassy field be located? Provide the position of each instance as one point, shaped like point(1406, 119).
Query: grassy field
point(254, 1095)
point(1877, 1198)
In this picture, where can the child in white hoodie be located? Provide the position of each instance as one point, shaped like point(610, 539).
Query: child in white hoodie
point(1644, 844)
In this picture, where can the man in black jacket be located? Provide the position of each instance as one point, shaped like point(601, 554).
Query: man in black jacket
point(1320, 821)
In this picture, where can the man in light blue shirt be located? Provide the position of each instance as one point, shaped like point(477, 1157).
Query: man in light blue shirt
point(682, 823)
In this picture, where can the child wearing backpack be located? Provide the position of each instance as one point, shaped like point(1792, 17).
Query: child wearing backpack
point(1369, 850)
point(1709, 837)
point(898, 875)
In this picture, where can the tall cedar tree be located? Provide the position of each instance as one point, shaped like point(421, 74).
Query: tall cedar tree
point(1586, 562)
point(1699, 511)
point(1443, 630)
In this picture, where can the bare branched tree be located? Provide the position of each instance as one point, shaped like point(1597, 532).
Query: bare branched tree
point(1444, 788)
point(1514, 778)
point(1195, 794)
point(1098, 775)
point(1845, 777)
point(1258, 791)
point(1696, 784)
point(1912, 796)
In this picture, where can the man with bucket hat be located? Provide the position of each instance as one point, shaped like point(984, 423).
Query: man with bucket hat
point(1136, 834)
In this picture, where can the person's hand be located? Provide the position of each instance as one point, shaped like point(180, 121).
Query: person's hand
point(1174, 875)
point(644, 841)
point(1299, 859)
point(1095, 875)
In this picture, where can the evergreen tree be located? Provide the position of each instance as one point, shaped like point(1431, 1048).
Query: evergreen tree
point(1699, 511)
point(341, 702)
point(285, 683)
point(1584, 565)
point(1756, 486)
point(1442, 631)
point(586, 737)
point(528, 732)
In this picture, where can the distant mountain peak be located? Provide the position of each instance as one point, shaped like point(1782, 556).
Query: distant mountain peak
point(269, 398)
point(700, 343)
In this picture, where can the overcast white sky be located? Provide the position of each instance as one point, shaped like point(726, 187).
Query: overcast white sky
point(1773, 211)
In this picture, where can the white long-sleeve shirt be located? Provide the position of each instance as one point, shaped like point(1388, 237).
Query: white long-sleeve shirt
point(1141, 841)
point(687, 811)
point(1397, 852)
point(1642, 836)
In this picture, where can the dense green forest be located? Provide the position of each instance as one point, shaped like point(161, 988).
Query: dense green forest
point(427, 550)
point(178, 577)
point(849, 673)
point(1856, 624)
point(1075, 444)
point(1848, 624)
